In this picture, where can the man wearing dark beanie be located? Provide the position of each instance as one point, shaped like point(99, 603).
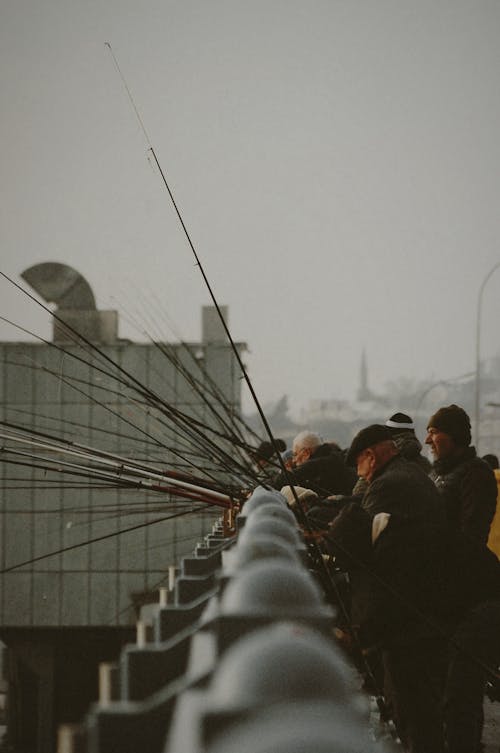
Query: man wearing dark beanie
point(468, 487)
point(466, 482)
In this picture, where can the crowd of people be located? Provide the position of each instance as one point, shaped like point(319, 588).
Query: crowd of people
point(423, 585)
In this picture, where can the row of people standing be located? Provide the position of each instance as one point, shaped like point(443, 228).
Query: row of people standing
point(425, 590)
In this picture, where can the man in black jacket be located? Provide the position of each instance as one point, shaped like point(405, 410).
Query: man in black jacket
point(317, 466)
point(467, 484)
point(395, 485)
point(412, 590)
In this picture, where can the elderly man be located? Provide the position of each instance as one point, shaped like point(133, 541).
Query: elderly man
point(389, 545)
point(467, 484)
point(318, 466)
point(395, 485)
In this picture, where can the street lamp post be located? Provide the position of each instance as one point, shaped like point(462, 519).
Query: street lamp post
point(444, 383)
point(478, 354)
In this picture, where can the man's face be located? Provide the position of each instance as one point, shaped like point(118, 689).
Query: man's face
point(301, 455)
point(441, 444)
point(365, 464)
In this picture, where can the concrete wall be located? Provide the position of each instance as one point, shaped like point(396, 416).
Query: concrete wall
point(94, 584)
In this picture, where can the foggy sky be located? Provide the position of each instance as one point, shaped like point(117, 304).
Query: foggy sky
point(337, 164)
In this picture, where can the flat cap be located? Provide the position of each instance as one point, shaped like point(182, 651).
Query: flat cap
point(368, 437)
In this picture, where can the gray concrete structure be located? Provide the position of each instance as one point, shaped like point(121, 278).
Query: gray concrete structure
point(73, 608)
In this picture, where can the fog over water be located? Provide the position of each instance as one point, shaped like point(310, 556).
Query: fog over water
point(337, 165)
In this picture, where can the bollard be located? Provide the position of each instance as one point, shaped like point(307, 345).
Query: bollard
point(141, 635)
point(105, 684)
point(163, 597)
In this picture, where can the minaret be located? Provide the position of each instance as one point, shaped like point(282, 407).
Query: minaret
point(363, 391)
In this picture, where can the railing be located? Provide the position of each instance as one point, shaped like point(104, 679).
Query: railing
point(239, 656)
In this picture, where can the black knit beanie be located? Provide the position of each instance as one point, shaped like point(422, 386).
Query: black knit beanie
point(454, 421)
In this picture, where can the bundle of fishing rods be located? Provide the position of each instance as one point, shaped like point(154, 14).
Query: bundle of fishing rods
point(202, 456)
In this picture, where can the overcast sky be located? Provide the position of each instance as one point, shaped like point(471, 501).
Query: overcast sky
point(336, 162)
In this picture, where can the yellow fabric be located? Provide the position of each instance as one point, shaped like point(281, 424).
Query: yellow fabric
point(494, 537)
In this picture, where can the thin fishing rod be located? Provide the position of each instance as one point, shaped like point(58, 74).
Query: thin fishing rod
point(137, 387)
point(143, 391)
point(214, 388)
point(313, 548)
point(56, 485)
point(136, 384)
point(62, 423)
point(123, 471)
point(94, 540)
point(205, 278)
point(157, 402)
point(72, 381)
point(106, 407)
point(109, 516)
point(179, 368)
point(151, 588)
point(188, 237)
point(233, 415)
point(92, 453)
point(181, 489)
point(177, 417)
point(238, 443)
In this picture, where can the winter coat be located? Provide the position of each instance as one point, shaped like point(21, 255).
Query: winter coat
point(413, 583)
point(402, 487)
point(469, 491)
point(411, 449)
point(325, 473)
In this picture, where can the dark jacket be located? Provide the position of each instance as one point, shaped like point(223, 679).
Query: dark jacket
point(411, 449)
point(325, 472)
point(414, 582)
point(402, 487)
point(469, 491)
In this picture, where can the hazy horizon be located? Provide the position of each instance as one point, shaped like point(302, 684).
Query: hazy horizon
point(337, 165)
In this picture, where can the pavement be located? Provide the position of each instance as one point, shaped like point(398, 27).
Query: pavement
point(491, 731)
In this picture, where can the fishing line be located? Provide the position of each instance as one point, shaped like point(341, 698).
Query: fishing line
point(90, 541)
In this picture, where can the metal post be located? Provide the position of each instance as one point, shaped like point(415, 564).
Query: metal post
point(105, 684)
point(477, 417)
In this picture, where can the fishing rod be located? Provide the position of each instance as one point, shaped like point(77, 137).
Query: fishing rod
point(133, 382)
point(168, 353)
point(173, 354)
point(112, 411)
point(63, 423)
point(178, 418)
point(136, 385)
point(123, 471)
point(215, 390)
point(95, 540)
point(199, 265)
point(93, 450)
point(189, 491)
point(88, 451)
point(314, 550)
